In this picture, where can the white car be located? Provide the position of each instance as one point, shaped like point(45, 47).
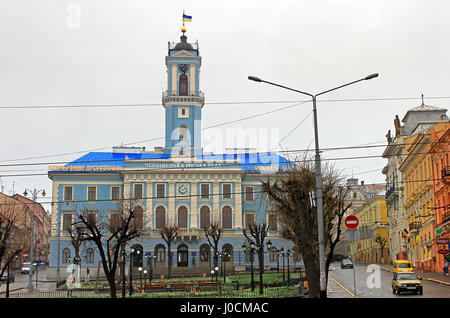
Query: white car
point(26, 268)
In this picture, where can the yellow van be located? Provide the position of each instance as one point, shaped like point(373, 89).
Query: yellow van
point(402, 266)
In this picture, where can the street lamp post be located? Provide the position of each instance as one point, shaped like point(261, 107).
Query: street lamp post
point(251, 249)
point(281, 254)
point(140, 275)
point(216, 269)
point(318, 172)
point(212, 276)
point(34, 193)
point(288, 254)
point(145, 279)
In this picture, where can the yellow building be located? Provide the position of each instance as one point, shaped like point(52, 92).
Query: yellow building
point(419, 198)
point(372, 238)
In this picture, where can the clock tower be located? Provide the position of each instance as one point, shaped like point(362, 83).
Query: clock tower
point(183, 100)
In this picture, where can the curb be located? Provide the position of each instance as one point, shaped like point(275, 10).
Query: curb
point(428, 279)
point(11, 290)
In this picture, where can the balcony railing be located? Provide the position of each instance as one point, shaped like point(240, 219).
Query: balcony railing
point(390, 191)
point(446, 216)
point(171, 97)
point(446, 174)
point(414, 226)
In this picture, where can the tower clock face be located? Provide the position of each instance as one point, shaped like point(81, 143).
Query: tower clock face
point(182, 189)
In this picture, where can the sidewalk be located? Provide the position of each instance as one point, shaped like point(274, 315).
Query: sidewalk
point(434, 277)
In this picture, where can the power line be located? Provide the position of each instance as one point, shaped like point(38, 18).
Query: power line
point(246, 153)
point(162, 137)
point(223, 164)
point(215, 103)
point(191, 195)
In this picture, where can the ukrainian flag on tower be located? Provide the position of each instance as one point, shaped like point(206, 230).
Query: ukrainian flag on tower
point(187, 18)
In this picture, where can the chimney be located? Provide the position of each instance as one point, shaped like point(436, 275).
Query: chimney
point(362, 182)
point(143, 149)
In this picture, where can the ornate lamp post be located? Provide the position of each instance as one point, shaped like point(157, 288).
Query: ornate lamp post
point(281, 254)
point(288, 254)
point(145, 278)
point(34, 193)
point(140, 275)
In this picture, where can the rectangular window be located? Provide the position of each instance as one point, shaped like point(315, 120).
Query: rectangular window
point(138, 191)
point(67, 221)
point(114, 219)
point(115, 193)
point(273, 222)
point(249, 219)
point(91, 217)
point(68, 193)
point(92, 193)
point(226, 191)
point(204, 191)
point(249, 194)
point(160, 190)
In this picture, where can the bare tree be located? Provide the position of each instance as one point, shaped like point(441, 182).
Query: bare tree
point(110, 236)
point(14, 232)
point(169, 234)
point(258, 233)
point(290, 194)
point(335, 206)
point(382, 243)
point(213, 234)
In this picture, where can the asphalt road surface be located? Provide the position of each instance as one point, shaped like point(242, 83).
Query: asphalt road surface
point(374, 283)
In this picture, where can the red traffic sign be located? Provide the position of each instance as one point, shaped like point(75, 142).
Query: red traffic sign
point(443, 251)
point(351, 222)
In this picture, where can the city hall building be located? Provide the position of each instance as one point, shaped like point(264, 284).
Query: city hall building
point(175, 184)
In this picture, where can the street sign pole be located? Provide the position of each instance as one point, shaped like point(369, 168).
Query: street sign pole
point(353, 260)
point(352, 222)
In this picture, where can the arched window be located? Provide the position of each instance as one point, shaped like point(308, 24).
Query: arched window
point(204, 217)
point(227, 251)
point(138, 219)
point(182, 217)
point(160, 253)
point(90, 255)
point(227, 218)
point(273, 254)
point(138, 257)
point(160, 217)
point(205, 253)
point(183, 82)
point(182, 132)
point(182, 257)
point(66, 256)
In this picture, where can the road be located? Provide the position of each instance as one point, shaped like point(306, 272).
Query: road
point(373, 283)
point(21, 282)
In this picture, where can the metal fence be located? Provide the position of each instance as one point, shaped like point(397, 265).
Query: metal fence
point(272, 292)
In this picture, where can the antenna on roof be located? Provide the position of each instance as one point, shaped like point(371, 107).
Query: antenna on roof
point(422, 100)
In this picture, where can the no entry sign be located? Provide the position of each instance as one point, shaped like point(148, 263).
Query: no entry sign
point(351, 222)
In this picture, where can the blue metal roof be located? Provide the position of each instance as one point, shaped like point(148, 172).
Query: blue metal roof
point(251, 163)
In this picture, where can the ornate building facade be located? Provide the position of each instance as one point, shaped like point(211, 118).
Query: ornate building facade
point(176, 184)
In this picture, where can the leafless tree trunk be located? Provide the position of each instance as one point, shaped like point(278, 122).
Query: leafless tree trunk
point(290, 195)
point(14, 232)
point(111, 237)
point(258, 233)
point(169, 234)
point(213, 234)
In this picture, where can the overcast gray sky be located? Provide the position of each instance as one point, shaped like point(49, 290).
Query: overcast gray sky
point(57, 52)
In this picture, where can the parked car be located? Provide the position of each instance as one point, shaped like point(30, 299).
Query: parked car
point(5, 278)
point(26, 268)
point(402, 266)
point(338, 257)
point(406, 281)
point(346, 263)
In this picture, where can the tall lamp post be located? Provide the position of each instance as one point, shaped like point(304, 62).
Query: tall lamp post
point(319, 198)
point(281, 254)
point(251, 249)
point(34, 193)
point(288, 254)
